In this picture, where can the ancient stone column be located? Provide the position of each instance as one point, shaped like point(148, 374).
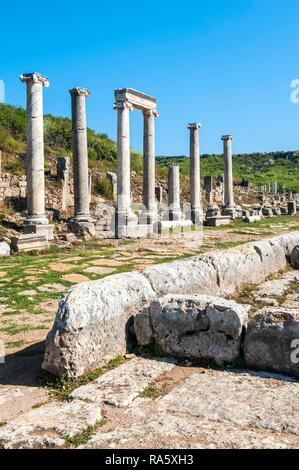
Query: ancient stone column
point(80, 154)
point(228, 172)
point(35, 149)
point(174, 192)
point(274, 187)
point(194, 172)
point(149, 199)
point(123, 160)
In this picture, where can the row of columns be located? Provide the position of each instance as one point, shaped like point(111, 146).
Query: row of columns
point(35, 159)
point(123, 161)
point(35, 163)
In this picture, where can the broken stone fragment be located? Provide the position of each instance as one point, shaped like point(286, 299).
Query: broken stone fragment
point(295, 257)
point(194, 326)
point(272, 340)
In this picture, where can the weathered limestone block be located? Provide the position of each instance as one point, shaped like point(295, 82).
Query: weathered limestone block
point(92, 325)
point(198, 327)
point(272, 258)
point(217, 221)
point(49, 425)
point(83, 229)
point(31, 242)
point(235, 268)
point(4, 249)
point(295, 257)
point(272, 340)
point(46, 230)
point(190, 276)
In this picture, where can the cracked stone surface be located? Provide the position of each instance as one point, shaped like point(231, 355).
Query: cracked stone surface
point(121, 386)
point(194, 408)
point(49, 425)
point(268, 291)
point(214, 409)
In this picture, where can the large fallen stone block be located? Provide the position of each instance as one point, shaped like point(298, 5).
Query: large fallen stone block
point(193, 326)
point(235, 268)
point(189, 276)
point(272, 258)
point(272, 341)
point(4, 249)
point(92, 325)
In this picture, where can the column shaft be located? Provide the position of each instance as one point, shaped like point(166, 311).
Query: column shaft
point(123, 160)
point(149, 199)
point(80, 154)
point(174, 192)
point(194, 172)
point(35, 165)
point(228, 173)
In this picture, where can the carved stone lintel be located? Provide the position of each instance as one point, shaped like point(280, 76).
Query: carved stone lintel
point(35, 77)
point(79, 91)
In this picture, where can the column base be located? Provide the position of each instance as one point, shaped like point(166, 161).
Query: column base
point(36, 220)
point(46, 230)
point(231, 211)
point(84, 228)
point(127, 226)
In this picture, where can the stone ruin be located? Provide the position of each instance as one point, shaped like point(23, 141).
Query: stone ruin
point(179, 306)
point(122, 219)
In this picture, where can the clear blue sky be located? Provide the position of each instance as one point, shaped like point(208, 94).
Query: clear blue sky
point(225, 63)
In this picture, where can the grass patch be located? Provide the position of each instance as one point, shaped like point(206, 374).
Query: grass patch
point(15, 344)
point(80, 438)
point(150, 392)
point(38, 404)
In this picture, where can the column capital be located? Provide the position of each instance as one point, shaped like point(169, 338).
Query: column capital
point(122, 105)
point(150, 113)
point(35, 77)
point(194, 125)
point(79, 91)
point(227, 137)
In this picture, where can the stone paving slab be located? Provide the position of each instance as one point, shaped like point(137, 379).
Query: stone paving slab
point(268, 291)
point(121, 386)
point(185, 432)
point(210, 409)
point(247, 400)
point(49, 425)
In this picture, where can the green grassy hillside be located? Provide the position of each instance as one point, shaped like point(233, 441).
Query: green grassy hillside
point(259, 168)
point(58, 141)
